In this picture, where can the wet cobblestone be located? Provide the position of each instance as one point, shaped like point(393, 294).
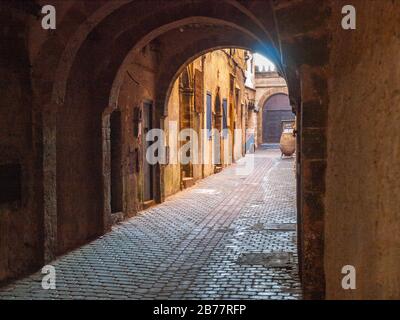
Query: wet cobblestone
point(189, 246)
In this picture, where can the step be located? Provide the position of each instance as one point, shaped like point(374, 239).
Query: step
point(188, 182)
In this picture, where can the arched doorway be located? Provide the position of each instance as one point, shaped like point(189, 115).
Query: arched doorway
point(276, 109)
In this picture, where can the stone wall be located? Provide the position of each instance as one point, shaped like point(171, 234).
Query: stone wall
point(363, 173)
point(21, 220)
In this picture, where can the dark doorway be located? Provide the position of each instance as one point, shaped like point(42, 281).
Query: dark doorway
point(224, 117)
point(276, 109)
point(147, 167)
point(116, 162)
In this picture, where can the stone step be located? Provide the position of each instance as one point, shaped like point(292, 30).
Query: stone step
point(188, 182)
point(148, 204)
point(217, 169)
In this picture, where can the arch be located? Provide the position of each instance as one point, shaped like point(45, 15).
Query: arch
point(192, 52)
point(260, 106)
point(88, 91)
point(81, 80)
point(67, 42)
point(274, 100)
point(268, 94)
point(201, 47)
point(276, 109)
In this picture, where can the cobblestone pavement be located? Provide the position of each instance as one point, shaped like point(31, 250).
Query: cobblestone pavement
point(208, 242)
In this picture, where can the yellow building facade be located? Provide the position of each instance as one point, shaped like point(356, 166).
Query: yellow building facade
point(210, 97)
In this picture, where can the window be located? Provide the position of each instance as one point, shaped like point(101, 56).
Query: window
point(209, 116)
point(224, 118)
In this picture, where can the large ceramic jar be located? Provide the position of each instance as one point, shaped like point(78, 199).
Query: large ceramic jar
point(288, 140)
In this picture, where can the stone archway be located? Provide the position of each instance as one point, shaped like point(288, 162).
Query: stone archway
point(197, 42)
point(260, 108)
point(73, 48)
point(90, 52)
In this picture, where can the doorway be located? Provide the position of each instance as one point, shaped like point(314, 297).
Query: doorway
point(116, 162)
point(276, 109)
point(148, 194)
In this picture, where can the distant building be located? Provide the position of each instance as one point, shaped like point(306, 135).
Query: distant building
point(271, 104)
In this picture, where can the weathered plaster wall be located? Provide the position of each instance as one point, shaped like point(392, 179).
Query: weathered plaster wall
point(363, 174)
point(172, 171)
point(217, 70)
point(80, 198)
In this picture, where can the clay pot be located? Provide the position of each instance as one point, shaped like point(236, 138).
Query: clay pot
point(288, 143)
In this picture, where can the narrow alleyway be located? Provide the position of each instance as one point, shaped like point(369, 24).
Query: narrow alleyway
point(207, 242)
